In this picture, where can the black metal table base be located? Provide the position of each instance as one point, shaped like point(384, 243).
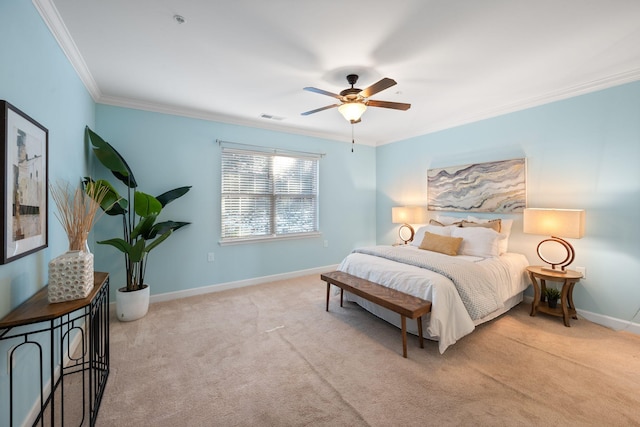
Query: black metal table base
point(72, 356)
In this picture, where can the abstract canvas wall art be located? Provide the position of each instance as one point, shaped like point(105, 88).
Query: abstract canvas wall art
point(483, 187)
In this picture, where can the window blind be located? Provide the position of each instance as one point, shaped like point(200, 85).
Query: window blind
point(267, 194)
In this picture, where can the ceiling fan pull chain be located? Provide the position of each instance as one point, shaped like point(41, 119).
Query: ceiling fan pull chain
point(352, 139)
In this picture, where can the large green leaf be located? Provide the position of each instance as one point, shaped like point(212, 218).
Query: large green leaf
point(171, 195)
point(145, 204)
point(112, 203)
point(144, 227)
point(110, 158)
point(163, 227)
point(137, 251)
point(120, 244)
point(159, 240)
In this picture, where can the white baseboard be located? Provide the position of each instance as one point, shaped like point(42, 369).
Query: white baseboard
point(168, 296)
point(601, 319)
point(611, 322)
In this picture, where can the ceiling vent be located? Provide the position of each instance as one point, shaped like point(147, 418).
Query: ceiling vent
point(271, 117)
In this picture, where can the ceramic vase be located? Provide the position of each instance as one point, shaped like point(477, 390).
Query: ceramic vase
point(70, 276)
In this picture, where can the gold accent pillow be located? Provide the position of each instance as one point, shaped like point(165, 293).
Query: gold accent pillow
point(442, 244)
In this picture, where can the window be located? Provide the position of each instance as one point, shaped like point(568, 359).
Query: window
point(268, 195)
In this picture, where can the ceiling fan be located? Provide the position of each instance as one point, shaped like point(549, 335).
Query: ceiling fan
point(355, 101)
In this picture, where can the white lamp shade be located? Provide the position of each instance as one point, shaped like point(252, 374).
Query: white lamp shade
point(568, 223)
point(352, 111)
point(408, 215)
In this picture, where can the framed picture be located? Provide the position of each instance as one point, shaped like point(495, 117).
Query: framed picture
point(24, 191)
point(483, 187)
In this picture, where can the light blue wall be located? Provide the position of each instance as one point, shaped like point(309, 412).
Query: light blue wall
point(36, 77)
point(581, 153)
point(166, 151)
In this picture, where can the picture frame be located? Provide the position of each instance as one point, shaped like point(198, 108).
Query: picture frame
point(497, 187)
point(24, 193)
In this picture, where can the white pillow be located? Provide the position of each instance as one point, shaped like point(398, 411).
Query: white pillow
point(434, 229)
point(505, 224)
point(478, 241)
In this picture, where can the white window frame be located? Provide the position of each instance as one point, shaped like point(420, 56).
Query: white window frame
point(228, 149)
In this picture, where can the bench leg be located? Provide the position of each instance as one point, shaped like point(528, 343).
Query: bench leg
point(404, 336)
point(420, 332)
point(328, 289)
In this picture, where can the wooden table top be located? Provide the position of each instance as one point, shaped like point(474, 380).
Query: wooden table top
point(549, 275)
point(38, 308)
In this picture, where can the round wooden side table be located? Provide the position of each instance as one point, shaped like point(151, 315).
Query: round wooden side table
point(566, 309)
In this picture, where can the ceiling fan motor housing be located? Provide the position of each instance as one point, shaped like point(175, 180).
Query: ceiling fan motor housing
point(351, 94)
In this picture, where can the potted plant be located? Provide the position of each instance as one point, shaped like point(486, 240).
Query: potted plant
point(141, 232)
point(552, 295)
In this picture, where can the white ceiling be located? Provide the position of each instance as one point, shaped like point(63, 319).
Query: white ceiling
point(455, 61)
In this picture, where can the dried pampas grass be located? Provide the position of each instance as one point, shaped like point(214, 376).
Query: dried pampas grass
point(77, 210)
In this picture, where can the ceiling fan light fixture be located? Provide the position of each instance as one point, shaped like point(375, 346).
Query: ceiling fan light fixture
point(352, 111)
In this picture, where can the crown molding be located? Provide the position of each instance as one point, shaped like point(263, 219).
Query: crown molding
point(221, 118)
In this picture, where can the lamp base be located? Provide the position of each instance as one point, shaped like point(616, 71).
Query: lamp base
point(561, 265)
point(406, 233)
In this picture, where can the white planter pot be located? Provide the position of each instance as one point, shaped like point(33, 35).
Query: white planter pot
point(132, 305)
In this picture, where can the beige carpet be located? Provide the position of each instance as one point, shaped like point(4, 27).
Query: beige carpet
point(270, 355)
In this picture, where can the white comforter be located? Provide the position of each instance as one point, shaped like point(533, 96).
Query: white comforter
point(449, 320)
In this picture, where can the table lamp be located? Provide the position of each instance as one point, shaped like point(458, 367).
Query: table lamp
point(407, 215)
point(556, 223)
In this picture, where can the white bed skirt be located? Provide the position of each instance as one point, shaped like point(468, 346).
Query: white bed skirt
point(412, 326)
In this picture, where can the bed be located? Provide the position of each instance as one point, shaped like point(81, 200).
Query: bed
point(470, 285)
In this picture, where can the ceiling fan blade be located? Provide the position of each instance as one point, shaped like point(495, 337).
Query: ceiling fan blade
point(386, 104)
point(322, 92)
point(306, 113)
point(377, 87)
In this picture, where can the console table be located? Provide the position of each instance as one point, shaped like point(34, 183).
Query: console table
point(46, 333)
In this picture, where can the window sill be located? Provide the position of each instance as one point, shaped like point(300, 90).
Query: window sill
point(245, 240)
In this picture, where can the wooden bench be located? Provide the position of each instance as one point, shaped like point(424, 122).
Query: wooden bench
point(404, 304)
